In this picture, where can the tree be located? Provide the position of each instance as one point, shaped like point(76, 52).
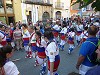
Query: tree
point(95, 4)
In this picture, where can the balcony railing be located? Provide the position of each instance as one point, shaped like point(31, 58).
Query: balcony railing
point(40, 2)
point(59, 5)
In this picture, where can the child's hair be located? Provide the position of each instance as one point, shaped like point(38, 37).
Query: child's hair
point(24, 25)
point(39, 34)
point(32, 27)
point(86, 28)
point(3, 51)
point(1, 25)
point(64, 25)
point(49, 35)
point(72, 29)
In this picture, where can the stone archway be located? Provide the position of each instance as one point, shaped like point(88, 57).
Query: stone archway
point(45, 16)
point(58, 15)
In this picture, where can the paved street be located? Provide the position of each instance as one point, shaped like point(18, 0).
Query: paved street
point(67, 63)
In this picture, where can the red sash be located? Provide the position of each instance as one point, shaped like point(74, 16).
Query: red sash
point(56, 63)
point(63, 37)
point(55, 34)
point(32, 44)
point(70, 42)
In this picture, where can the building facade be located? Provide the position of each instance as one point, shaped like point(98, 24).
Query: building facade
point(17, 10)
point(86, 11)
point(8, 9)
point(61, 9)
point(74, 9)
point(35, 10)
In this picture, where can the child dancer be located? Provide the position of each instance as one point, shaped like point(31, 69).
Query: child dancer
point(79, 29)
point(71, 35)
point(84, 34)
point(3, 41)
point(32, 42)
point(41, 56)
point(63, 37)
point(52, 53)
point(7, 67)
point(26, 37)
point(56, 30)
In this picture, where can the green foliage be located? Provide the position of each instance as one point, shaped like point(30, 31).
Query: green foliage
point(95, 4)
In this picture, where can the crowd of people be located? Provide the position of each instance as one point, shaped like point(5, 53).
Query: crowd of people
point(43, 42)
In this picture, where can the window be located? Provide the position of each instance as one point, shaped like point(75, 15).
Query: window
point(1, 7)
point(9, 6)
point(3, 19)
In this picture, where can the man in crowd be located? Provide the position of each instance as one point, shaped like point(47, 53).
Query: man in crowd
point(87, 48)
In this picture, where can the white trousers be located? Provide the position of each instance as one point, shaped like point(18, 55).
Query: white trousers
point(71, 46)
point(41, 61)
point(27, 48)
point(49, 73)
point(62, 43)
point(78, 37)
point(83, 69)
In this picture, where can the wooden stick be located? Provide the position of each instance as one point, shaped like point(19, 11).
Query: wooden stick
point(42, 63)
point(16, 59)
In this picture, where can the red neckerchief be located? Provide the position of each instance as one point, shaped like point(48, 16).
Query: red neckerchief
point(32, 35)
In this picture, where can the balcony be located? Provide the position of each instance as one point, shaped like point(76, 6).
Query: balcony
point(59, 5)
point(38, 2)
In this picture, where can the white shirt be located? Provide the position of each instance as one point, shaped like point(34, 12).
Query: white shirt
point(79, 27)
point(97, 24)
point(43, 43)
point(10, 68)
point(2, 36)
point(33, 38)
point(56, 27)
point(26, 34)
point(51, 51)
point(64, 30)
point(84, 35)
point(71, 34)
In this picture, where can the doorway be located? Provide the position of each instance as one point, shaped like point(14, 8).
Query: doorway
point(58, 15)
point(10, 20)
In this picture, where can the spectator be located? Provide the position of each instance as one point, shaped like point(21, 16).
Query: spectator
point(96, 70)
point(87, 48)
point(7, 67)
point(17, 35)
point(64, 22)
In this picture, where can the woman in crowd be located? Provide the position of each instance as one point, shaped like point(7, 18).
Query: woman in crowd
point(17, 35)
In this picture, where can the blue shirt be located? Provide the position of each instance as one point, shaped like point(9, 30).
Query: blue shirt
point(88, 48)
